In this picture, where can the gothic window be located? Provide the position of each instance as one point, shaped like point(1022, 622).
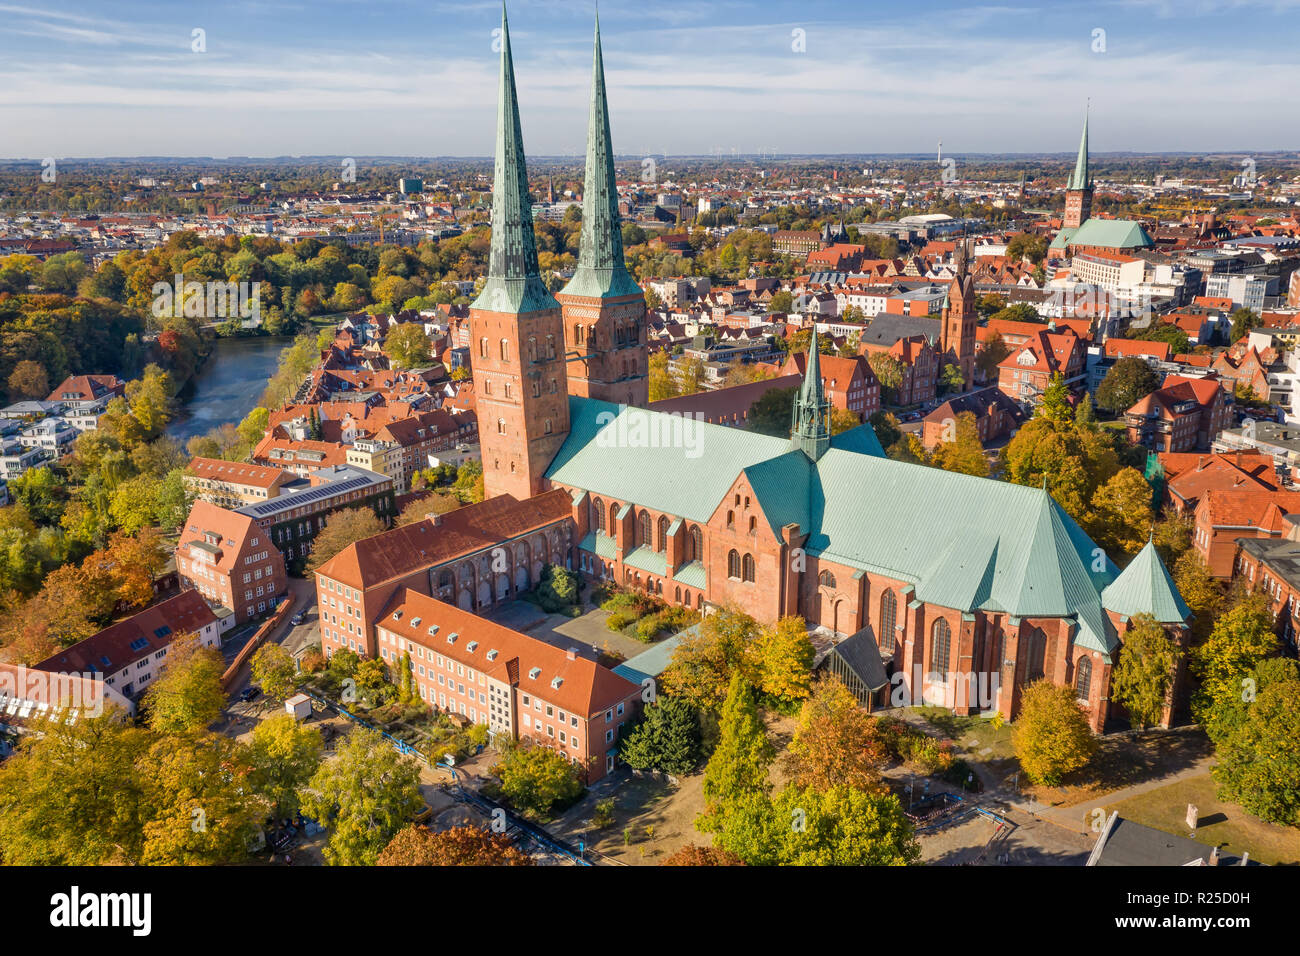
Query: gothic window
point(599, 510)
point(613, 517)
point(940, 638)
point(548, 426)
point(554, 387)
point(731, 519)
point(663, 533)
point(643, 530)
point(888, 621)
point(487, 386)
point(733, 564)
point(1037, 651)
point(697, 544)
point(501, 426)
point(483, 348)
point(1083, 677)
point(550, 346)
point(753, 525)
point(677, 596)
point(537, 389)
point(747, 568)
point(578, 334)
point(826, 579)
point(507, 389)
point(505, 350)
point(532, 349)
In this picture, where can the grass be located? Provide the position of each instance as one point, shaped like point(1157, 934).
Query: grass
point(981, 738)
point(1221, 824)
point(1125, 760)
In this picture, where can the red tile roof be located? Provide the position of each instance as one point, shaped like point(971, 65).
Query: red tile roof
point(156, 627)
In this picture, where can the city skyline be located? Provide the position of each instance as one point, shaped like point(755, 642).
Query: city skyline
point(688, 81)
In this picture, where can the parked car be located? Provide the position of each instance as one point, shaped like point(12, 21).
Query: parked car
point(249, 693)
point(298, 618)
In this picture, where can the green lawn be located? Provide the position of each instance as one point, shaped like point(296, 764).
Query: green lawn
point(1222, 824)
point(980, 737)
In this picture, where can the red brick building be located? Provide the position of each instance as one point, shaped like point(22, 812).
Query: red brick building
point(232, 562)
point(849, 383)
point(1184, 415)
point(996, 417)
point(1027, 371)
point(1223, 517)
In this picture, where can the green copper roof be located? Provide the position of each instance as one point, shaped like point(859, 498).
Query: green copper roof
point(514, 283)
point(963, 542)
point(811, 428)
point(1080, 178)
point(692, 574)
point(1108, 233)
point(601, 271)
point(1145, 587)
point(601, 545)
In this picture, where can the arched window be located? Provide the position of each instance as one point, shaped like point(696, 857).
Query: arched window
point(537, 389)
point(532, 348)
point(483, 347)
point(826, 579)
point(444, 579)
point(613, 517)
point(677, 596)
point(501, 426)
point(1083, 677)
point(753, 525)
point(733, 564)
point(548, 426)
point(643, 530)
point(731, 519)
point(599, 510)
point(747, 568)
point(888, 621)
point(940, 638)
point(550, 346)
point(578, 335)
point(663, 532)
point(505, 350)
point(1036, 651)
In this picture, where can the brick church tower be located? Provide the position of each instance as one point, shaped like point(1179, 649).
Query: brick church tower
point(1078, 189)
point(959, 320)
point(603, 307)
point(517, 348)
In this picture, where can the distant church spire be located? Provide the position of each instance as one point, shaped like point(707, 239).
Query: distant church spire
point(514, 283)
point(1081, 179)
point(811, 430)
point(601, 270)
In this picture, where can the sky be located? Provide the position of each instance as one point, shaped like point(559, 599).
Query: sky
point(685, 77)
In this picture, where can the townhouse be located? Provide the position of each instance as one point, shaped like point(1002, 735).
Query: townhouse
point(228, 559)
point(232, 484)
point(1184, 415)
point(849, 383)
point(1225, 516)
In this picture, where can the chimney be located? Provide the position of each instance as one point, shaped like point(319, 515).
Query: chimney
point(1214, 856)
point(571, 654)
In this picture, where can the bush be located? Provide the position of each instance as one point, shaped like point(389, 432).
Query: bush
point(619, 620)
point(557, 590)
point(1051, 736)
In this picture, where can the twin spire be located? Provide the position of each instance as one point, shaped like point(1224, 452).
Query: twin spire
point(514, 283)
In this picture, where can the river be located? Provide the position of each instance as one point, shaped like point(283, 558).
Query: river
point(228, 385)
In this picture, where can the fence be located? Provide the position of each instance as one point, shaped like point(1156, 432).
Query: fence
point(245, 652)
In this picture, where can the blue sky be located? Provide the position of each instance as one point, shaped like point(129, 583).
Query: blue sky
point(389, 77)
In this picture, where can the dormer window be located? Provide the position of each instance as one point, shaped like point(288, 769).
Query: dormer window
point(556, 682)
point(492, 654)
point(535, 673)
point(472, 646)
point(397, 615)
point(451, 638)
point(415, 622)
point(433, 629)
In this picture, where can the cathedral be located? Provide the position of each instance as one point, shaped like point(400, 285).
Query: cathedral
point(959, 582)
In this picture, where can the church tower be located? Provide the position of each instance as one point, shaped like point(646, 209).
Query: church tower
point(959, 320)
point(517, 350)
point(603, 307)
point(810, 430)
point(1078, 189)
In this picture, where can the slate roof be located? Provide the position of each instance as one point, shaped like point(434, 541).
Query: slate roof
point(862, 656)
point(886, 329)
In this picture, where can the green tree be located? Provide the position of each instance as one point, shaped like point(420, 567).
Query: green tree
point(1144, 678)
point(284, 755)
point(1242, 638)
point(537, 780)
point(363, 796)
point(962, 452)
point(1051, 736)
point(703, 664)
point(1243, 321)
point(1258, 757)
point(1128, 380)
point(274, 671)
point(666, 738)
point(187, 696)
point(407, 345)
point(739, 766)
point(782, 658)
point(889, 372)
point(342, 528)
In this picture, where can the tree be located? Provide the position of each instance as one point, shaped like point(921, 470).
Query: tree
point(692, 855)
point(951, 378)
point(187, 696)
point(963, 452)
point(782, 301)
point(1055, 406)
point(1171, 334)
point(990, 357)
point(1200, 592)
point(739, 766)
point(1243, 320)
point(274, 671)
point(342, 528)
point(1026, 246)
point(133, 504)
point(1240, 640)
point(68, 795)
point(835, 742)
point(889, 372)
point(457, 846)
point(773, 412)
point(702, 664)
point(666, 738)
point(1143, 680)
point(1129, 380)
point(537, 780)
point(1121, 512)
point(284, 755)
point(843, 420)
point(557, 589)
point(196, 803)
point(1051, 736)
point(407, 345)
point(662, 383)
point(1258, 755)
point(782, 657)
point(28, 380)
point(364, 795)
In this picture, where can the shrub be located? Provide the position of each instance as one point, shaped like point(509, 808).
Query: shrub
point(619, 620)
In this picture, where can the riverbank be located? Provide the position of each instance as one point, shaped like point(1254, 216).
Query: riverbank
point(228, 385)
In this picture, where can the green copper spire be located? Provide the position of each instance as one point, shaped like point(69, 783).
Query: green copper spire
point(514, 283)
point(811, 430)
point(1079, 179)
point(601, 272)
